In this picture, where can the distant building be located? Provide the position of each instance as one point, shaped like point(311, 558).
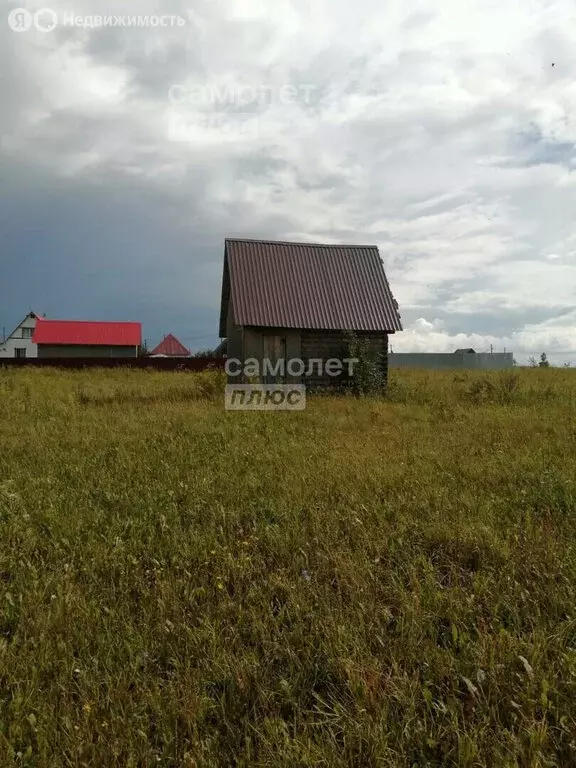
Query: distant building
point(19, 343)
point(85, 338)
point(170, 347)
point(462, 359)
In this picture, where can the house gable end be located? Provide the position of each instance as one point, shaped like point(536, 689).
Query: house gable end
point(226, 299)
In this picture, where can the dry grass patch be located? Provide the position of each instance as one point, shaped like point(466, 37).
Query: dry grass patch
point(376, 582)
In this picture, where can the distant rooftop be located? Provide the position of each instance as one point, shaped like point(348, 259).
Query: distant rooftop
point(87, 333)
point(170, 347)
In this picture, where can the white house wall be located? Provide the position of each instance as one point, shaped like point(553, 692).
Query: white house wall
point(15, 340)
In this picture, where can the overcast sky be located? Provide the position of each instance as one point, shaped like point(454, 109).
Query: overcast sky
point(443, 132)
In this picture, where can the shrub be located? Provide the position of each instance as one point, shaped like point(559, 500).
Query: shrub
point(369, 376)
point(502, 389)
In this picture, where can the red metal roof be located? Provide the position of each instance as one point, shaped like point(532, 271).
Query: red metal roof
point(307, 285)
point(171, 347)
point(86, 333)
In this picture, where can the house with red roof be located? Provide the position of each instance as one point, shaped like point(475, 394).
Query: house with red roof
point(170, 347)
point(86, 338)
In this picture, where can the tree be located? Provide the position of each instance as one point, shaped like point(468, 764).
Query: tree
point(543, 361)
point(532, 361)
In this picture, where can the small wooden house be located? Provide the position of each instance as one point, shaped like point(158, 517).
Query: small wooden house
point(301, 302)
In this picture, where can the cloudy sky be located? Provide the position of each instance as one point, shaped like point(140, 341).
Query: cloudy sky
point(442, 131)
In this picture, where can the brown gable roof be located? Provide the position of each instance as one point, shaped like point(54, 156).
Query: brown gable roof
point(307, 285)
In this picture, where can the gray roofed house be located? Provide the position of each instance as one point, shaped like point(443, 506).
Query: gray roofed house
point(299, 301)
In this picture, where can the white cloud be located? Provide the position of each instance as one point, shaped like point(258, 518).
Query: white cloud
point(555, 337)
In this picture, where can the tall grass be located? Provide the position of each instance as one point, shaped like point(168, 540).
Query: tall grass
point(373, 582)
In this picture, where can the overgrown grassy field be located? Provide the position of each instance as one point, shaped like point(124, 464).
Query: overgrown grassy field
point(374, 582)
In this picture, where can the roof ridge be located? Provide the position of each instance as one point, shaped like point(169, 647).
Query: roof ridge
point(92, 322)
point(297, 243)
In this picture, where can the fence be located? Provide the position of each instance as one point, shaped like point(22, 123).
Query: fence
point(485, 361)
point(142, 363)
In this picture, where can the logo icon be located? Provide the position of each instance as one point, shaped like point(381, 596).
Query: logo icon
point(45, 20)
point(20, 20)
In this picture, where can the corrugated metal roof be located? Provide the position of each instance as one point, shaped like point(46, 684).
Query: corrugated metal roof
point(171, 347)
point(86, 332)
point(307, 285)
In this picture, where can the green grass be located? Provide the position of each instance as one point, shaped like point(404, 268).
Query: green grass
point(365, 583)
